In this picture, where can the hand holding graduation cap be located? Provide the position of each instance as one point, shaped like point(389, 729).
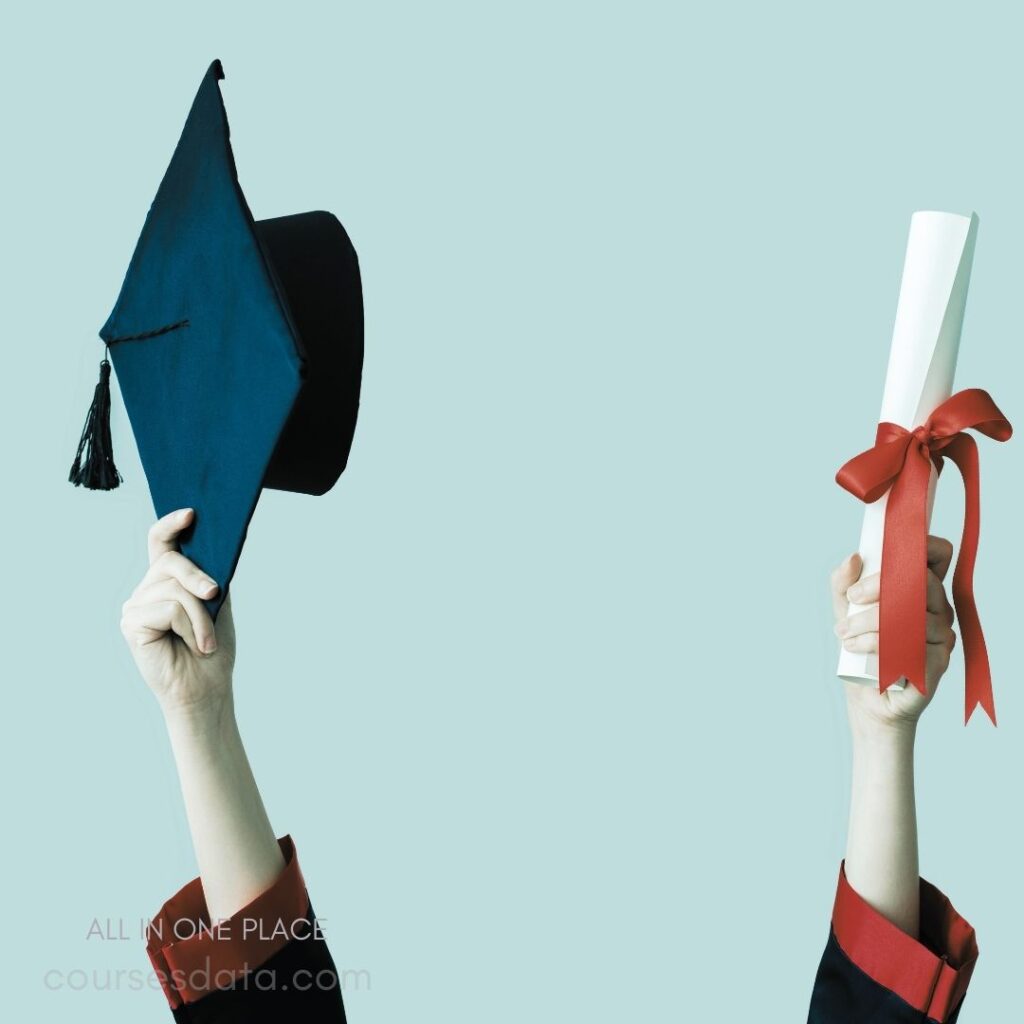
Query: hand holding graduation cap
point(184, 660)
point(189, 667)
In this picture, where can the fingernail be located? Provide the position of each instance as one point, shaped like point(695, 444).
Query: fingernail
point(848, 644)
point(853, 594)
point(210, 644)
point(182, 513)
point(210, 586)
point(842, 627)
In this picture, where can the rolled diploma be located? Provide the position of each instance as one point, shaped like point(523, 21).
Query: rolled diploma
point(922, 363)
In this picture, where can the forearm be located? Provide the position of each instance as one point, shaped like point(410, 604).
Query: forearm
point(235, 846)
point(881, 850)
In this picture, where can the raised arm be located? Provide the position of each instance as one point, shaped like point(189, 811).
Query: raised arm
point(897, 951)
point(881, 845)
point(248, 913)
point(188, 666)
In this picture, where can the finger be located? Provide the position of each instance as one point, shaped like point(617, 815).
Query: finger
point(860, 622)
point(936, 628)
point(944, 648)
point(940, 554)
point(145, 623)
point(164, 532)
point(174, 565)
point(863, 643)
point(936, 625)
point(937, 661)
point(866, 590)
point(199, 617)
point(937, 601)
point(843, 577)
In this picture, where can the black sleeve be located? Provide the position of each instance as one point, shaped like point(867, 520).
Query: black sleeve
point(299, 983)
point(268, 962)
point(844, 994)
point(871, 971)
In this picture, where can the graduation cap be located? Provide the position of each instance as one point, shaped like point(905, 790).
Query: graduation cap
point(238, 346)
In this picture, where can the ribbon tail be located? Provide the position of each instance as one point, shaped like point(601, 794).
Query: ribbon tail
point(904, 585)
point(977, 674)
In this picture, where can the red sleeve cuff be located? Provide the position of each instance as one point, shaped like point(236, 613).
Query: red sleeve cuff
point(191, 958)
point(930, 975)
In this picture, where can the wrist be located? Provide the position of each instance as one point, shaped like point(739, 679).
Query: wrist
point(209, 718)
point(867, 728)
point(891, 734)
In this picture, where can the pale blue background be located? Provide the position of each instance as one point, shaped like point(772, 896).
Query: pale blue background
point(543, 688)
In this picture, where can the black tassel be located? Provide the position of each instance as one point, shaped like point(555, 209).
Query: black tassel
point(94, 462)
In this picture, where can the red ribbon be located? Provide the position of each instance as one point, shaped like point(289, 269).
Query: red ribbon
point(901, 460)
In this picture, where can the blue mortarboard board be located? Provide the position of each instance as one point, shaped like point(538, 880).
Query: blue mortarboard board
point(238, 346)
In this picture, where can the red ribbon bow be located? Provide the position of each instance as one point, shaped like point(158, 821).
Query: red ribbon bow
point(902, 459)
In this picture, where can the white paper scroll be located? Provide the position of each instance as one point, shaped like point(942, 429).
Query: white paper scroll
point(922, 362)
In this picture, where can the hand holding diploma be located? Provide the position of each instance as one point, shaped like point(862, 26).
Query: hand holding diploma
point(858, 633)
